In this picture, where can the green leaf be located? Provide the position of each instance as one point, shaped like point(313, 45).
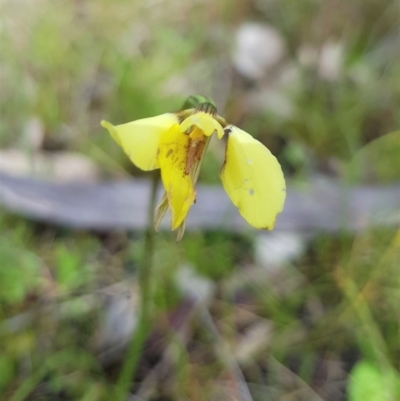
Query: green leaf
point(368, 383)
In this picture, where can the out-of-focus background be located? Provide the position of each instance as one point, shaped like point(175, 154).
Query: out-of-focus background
point(307, 312)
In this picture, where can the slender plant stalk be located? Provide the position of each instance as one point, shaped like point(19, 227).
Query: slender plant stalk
point(145, 318)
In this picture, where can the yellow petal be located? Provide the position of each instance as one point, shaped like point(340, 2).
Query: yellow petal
point(178, 185)
point(253, 179)
point(140, 138)
point(207, 123)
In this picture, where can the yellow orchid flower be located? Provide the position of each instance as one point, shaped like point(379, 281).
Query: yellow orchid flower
point(176, 144)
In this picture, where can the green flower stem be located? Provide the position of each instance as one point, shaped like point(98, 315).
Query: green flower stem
point(145, 319)
point(139, 336)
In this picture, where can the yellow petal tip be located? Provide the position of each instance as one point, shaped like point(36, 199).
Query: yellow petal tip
point(220, 132)
point(111, 129)
point(105, 124)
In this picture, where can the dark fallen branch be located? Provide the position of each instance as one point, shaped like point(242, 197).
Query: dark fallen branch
point(322, 204)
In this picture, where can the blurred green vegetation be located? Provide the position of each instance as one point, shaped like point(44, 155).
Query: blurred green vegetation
point(333, 313)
